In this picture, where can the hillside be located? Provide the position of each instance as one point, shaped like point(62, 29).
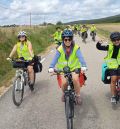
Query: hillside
point(111, 19)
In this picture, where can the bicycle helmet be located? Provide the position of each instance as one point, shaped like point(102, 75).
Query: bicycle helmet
point(67, 33)
point(114, 36)
point(22, 33)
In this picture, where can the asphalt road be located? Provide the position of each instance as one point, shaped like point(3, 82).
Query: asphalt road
point(43, 109)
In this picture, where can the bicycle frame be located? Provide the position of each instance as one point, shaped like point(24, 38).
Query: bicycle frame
point(118, 90)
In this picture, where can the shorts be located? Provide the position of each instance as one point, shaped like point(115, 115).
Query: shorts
point(28, 63)
point(82, 79)
point(114, 72)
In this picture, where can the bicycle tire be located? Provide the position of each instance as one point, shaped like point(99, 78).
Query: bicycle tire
point(69, 113)
point(21, 91)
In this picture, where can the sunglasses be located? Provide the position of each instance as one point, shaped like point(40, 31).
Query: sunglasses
point(21, 36)
point(67, 40)
point(114, 40)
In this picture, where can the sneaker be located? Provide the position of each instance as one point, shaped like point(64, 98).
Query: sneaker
point(31, 86)
point(113, 99)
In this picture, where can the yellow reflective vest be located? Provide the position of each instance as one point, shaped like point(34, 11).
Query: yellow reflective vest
point(22, 50)
point(111, 62)
point(72, 61)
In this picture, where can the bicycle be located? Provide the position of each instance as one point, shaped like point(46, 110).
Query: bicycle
point(84, 36)
point(93, 34)
point(107, 80)
point(21, 80)
point(118, 91)
point(69, 95)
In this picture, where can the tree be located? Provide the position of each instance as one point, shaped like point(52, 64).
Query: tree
point(59, 23)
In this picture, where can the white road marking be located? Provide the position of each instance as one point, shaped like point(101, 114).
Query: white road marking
point(42, 60)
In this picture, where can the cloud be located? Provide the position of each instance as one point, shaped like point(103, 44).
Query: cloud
point(56, 10)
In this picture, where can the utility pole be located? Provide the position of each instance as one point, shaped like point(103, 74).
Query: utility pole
point(44, 19)
point(30, 19)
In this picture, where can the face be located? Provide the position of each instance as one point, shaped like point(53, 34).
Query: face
point(58, 29)
point(116, 42)
point(22, 38)
point(67, 41)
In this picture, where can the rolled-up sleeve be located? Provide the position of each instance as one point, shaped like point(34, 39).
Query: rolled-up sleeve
point(55, 60)
point(81, 58)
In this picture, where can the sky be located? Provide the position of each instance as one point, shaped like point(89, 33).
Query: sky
point(52, 11)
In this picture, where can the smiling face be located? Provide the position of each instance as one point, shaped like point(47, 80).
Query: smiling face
point(116, 42)
point(67, 41)
point(22, 38)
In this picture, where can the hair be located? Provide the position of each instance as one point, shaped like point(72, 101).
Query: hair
point(58, 28)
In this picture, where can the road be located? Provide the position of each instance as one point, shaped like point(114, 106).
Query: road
point(43, 108)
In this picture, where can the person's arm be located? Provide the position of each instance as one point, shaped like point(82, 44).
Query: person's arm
point(13, 51)
point(55, 60)
point(81, 59)
point(99, 46)
point(30, 49)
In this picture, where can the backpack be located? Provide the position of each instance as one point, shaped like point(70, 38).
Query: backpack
point(105, 74)
point(37, 64)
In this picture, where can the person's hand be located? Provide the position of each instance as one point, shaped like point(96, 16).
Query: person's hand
point(9, 59)
point(51, 70)
point(83, 69)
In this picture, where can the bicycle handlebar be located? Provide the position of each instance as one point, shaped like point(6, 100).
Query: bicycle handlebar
point(19, 60)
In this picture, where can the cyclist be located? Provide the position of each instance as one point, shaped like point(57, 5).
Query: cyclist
point(75, 29)
point(112, 60)
point(84, 32)
point(69, 54)
point(79, 28)
point(93, 30)
point(68, 27)
point(57, 36)
point(23, 48)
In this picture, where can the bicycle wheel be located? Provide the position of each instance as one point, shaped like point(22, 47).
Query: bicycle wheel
point(93, 37)
point(69, 112)
point(18, 91)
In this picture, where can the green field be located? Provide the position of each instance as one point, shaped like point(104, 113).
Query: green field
point(106, 29)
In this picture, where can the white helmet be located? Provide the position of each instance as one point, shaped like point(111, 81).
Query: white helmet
point(22, 33)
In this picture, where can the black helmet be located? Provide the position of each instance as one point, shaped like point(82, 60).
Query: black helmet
point(114, 36)
point(67, 33)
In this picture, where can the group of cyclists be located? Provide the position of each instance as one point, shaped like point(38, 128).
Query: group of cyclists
point(68, 53)
point(112, 60)
point(81, 30)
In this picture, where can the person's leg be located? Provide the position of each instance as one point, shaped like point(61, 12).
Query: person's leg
point(113, 74)
point(63, 86)
point(113, 85)
point(31, 76)
point(76, 83)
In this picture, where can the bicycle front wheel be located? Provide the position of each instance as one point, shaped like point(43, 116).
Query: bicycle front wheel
point(18, 91)
point(69, 112)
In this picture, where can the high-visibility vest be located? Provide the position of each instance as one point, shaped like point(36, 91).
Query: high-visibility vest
point(111, 62)
point(23, 51)
point(72, 61)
